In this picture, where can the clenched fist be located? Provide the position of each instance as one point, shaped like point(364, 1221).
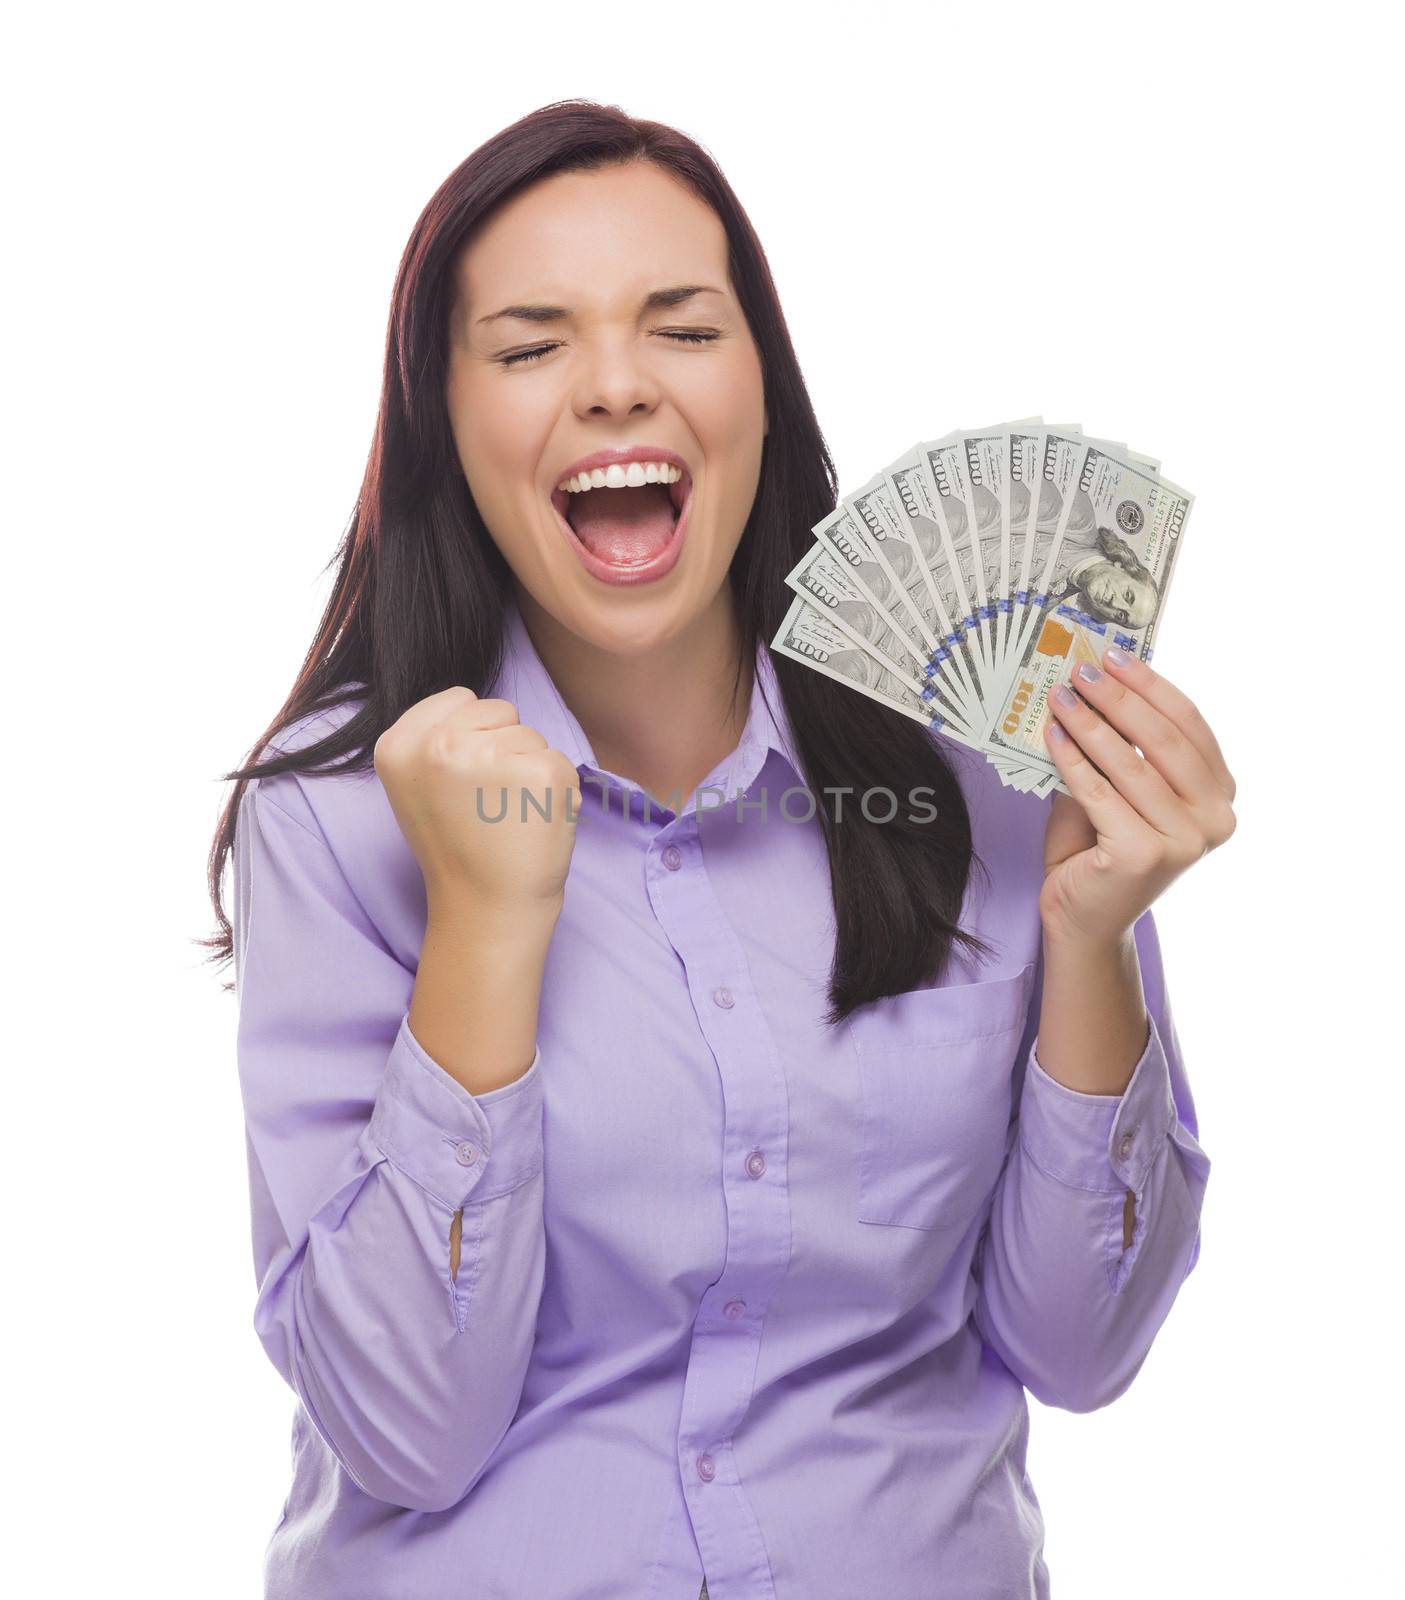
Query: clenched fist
point(454, 763)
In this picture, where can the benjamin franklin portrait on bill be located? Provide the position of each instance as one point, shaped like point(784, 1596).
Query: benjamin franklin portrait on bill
point(1095, 569)
point(1101, 575)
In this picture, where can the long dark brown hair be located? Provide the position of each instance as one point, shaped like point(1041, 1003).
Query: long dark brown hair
point(421, 591)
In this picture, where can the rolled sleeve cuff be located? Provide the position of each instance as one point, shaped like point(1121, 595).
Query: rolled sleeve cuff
point(457, 1146)
point(1101, 1142)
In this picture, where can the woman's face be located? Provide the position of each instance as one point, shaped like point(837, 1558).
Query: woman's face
point(610, 371)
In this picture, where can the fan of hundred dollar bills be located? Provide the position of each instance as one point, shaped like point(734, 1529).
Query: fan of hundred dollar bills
point(962, 583)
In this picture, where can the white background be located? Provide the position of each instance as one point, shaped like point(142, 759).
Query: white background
point(1169, 223)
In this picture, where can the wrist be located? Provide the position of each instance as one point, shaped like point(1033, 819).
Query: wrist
point(456, 912)
point(1082, 943)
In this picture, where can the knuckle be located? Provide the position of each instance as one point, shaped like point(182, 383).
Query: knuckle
point(1097, 788)
point(1128, 763)
point(1187, 710)
point(1173, 741)
point(386, 752)
point(560, 768)
point(558, 765)
point(443, 746)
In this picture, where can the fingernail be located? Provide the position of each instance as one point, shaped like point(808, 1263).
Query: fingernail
point(1088, 672)
point(1065, 697)
point(1115, 656)
point(1057, 732)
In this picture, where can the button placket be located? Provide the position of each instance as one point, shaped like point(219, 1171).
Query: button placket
point(717, 1386)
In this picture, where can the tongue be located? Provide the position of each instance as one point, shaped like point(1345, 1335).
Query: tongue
point(623, 526)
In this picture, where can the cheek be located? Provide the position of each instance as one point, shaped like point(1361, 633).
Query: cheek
point(498, 435)
point(730, 416)
point(490, 438)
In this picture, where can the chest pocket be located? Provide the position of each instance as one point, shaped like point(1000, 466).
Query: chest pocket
point(935, 1069)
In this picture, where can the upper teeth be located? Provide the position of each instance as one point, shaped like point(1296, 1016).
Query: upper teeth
point(618, 477)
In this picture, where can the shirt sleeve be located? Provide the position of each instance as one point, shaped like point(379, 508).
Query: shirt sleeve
point(361, 1148)
point(1067, 1309)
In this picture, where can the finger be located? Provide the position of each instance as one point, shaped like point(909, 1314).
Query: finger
point(490, 712)
point(1135, 779)
point(514, 739)
point(425, 713)
point(1172, 753)
point(1113, 817)
point(1173, 704)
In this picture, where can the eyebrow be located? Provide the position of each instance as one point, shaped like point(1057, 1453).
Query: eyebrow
point(654, 300)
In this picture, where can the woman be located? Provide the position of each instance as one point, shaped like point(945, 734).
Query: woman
point(651, 1190)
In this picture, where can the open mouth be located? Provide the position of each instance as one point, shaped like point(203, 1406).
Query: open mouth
point(624, 526)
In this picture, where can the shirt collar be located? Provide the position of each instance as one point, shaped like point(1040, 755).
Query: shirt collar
point(525, 681)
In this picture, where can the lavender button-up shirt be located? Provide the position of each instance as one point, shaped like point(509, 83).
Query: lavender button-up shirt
point(739, 1295)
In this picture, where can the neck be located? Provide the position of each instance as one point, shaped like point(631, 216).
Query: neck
point(663, 715)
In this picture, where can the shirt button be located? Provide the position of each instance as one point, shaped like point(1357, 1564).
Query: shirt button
point(733, 1309)
point(672, 857)
point(465, 1153)
point(707, 1467)
point(723, 997)
point(755, 1164)
point(1124, 1148)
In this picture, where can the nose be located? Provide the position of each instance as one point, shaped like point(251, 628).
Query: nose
point(614, 381)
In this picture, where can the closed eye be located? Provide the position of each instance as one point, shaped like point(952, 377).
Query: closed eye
point(537, 351)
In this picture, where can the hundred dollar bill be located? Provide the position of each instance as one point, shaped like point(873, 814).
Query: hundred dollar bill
point(812, 638)
point(944, 469)
point(1061, 455)
point(964, 580)
point(987, 504)
point(1105, 571)
point(1035, 503)
point(864, 534)
point(912, 500)
point(986, 501)
point(839, 577)
point(898, 546)
point(955, 654)
point(1024, 452)
point(969, 533)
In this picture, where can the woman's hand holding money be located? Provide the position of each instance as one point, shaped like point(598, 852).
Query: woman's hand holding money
point(1135, 821)
point(1130, 824)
